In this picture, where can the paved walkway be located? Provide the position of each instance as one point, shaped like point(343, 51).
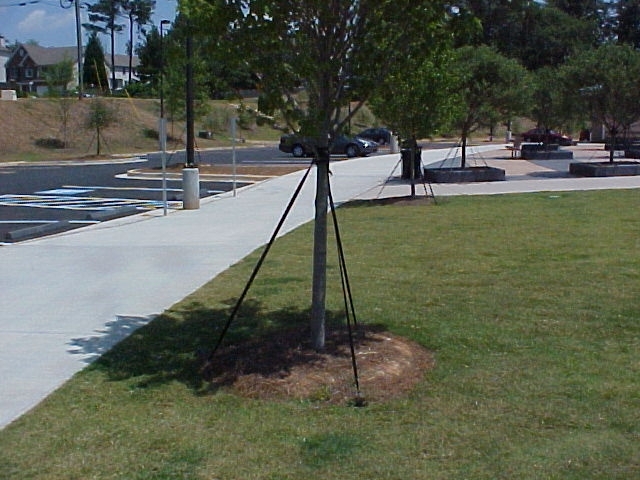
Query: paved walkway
point(68, 298)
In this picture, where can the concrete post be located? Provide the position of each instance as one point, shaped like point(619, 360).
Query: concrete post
point(190, 188)
point(393, 144)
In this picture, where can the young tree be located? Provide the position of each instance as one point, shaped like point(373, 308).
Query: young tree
point(103, 16)
point(413, 99)
point(58, 77)
point(93, 70)
point(337, 50)
point(99, 117)
point(485, 86)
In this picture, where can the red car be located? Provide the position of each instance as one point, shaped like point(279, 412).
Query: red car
point(541, 135)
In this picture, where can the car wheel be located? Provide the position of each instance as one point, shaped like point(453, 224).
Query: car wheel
point(352, 150)
point(297, 150)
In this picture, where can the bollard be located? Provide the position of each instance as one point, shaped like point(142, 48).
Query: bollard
point(393, 144)
point(190, 189)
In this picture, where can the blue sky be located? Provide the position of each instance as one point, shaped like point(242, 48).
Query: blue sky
point(46, 22)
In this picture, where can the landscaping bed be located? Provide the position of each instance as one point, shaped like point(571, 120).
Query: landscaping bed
point(464, 175)
point(605, 169)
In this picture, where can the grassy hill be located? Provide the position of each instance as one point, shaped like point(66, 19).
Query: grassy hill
point(30, 127)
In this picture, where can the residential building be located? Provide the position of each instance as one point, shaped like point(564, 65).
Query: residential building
point(5, 53)
point(122, 70)
point(26, 67)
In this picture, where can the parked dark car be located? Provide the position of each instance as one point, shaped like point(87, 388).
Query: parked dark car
point(380, 135)
point(342, 145)
point(542, 135)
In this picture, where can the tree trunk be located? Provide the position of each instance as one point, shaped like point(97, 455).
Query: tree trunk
point(612, 147)
point(319, 287)
point(463, 161)
point(412, 166)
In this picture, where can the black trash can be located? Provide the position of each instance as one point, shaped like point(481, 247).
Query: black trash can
point(405, 154)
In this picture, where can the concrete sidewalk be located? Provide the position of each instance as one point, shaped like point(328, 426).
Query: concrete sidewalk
point(68, 298)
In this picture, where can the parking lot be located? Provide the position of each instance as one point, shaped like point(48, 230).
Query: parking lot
point(51, 197)
point(46, 199)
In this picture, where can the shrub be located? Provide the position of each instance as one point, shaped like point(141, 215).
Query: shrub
point(51, 142)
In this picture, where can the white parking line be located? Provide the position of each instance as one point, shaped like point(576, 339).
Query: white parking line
point(26, 222)
point(78, 203)
point(126, 189)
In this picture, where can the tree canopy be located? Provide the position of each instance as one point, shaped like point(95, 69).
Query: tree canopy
point(139, 14)
point(605, 82)
point(93, 70)
point(103, 18)
point(337, 51)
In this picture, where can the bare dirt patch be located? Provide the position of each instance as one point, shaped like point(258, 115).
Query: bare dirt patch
point(286, 367)
point(407, 200)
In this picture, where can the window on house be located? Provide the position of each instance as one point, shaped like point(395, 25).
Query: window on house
point(28, 72)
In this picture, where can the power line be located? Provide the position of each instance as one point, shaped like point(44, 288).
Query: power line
point(20, 4)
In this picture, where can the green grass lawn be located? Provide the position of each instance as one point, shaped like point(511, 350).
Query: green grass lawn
point(529, 303)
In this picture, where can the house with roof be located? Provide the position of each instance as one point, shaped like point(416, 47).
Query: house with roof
point(122, 70)
point(27, 66)
point(5, 53)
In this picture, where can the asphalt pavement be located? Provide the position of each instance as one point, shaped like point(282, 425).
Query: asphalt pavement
point(68, 298)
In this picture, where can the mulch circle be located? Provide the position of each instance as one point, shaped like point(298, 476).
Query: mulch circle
point(284, 366)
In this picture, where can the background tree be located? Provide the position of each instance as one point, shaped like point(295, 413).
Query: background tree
point(93, 70)
point(59, 76)
point(596, 14)
point(485, 86)
point(174, 46)
point(103, 16)
point(627, 22)
point(549, 37)
point(139, 14)
point(149, 54)
point(606, 82)
point(536, 33)
point(552, 105)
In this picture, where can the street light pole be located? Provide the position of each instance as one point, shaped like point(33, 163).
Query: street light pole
point(163, 123)
point(190, 174)
point(189, 103)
